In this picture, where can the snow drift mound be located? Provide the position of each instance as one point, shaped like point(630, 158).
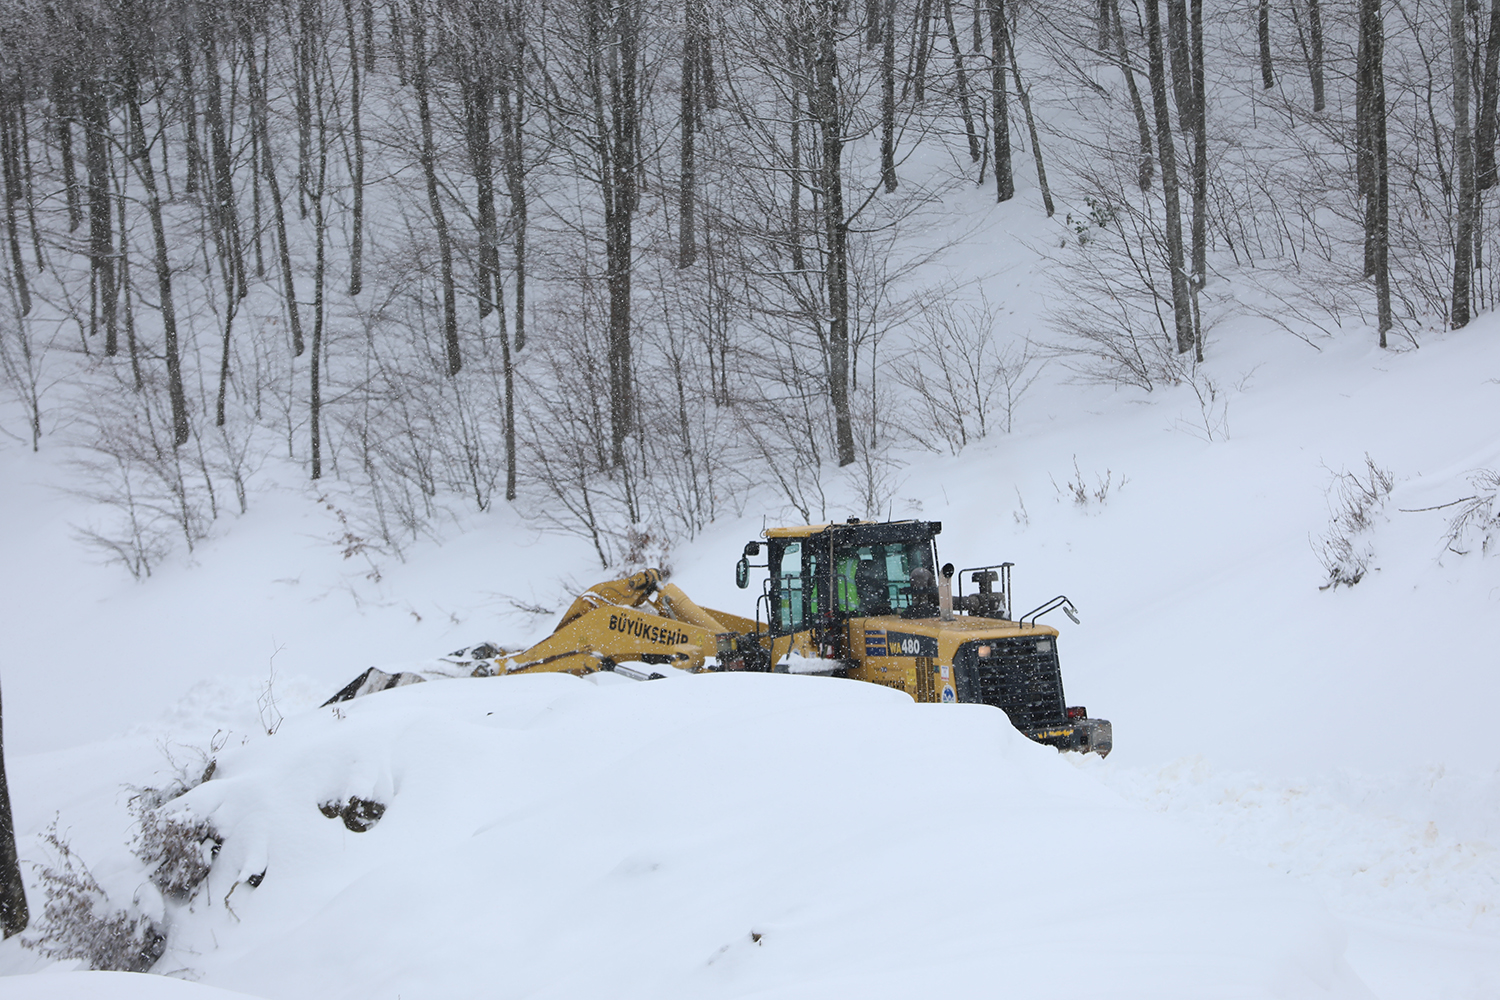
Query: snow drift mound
point(714, 836)
point(110, 985)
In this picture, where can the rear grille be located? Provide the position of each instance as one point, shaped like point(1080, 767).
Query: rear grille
point(1019, 676)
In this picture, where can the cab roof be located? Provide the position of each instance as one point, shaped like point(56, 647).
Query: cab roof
point(862, 527)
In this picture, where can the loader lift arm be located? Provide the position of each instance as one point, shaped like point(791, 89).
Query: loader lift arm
point(635, 619)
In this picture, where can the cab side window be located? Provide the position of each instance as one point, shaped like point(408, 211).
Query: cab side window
point(786, 570)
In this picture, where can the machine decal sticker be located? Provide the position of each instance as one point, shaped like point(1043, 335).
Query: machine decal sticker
point(906, 644)
point(645, 630)
point(875, 643)
point(948, 696)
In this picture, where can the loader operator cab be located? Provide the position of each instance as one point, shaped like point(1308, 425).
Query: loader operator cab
point(826, 573)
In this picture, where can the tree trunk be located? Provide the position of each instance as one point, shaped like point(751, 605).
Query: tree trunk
point(259, 112)
point(1200, 172)
point(428, 157)
point(478, 88)
point(398, 41)
point(62, 104)
point(888, 96)
point(1036, 143)
point(824, 107)
point(320, 229)
point(1371, 157)
point(357, 178)
point(1122, 53)
point(1485, 175)
point(126, 288)
point(1463, 153)
point(924, 47)
point(1005, 183)
point(1315, 29)
point(512, 123)
point(141, 155)
point(687, 245)
point(225, 212)
point(304, 51)
point(185, 42)
point(961, 80)
point(13, 911)
point(1180, 60)
point(101, 239)
point(1263, 29)
point(10, 168)
point(614, 54)
point(367, 9)
point(799, 67)
point(1167, 154)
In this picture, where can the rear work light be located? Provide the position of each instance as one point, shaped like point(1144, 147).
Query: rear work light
point(1077, 712)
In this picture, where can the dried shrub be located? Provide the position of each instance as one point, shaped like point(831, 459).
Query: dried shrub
point(79, 921)
point(1346, 549)
point(1478, 519)
point(178, 849)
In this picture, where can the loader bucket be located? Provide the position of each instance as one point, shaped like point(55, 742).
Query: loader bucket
point(369, 682)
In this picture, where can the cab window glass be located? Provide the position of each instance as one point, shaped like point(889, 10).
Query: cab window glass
point(789, 587)
point(882, 578)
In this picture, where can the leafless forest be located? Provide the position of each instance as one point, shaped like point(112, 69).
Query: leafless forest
point(622, 262)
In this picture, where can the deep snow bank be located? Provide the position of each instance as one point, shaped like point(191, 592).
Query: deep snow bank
point(715, 836)
point(114, 985)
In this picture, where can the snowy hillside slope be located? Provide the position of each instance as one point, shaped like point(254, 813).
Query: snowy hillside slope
point(1334, 738)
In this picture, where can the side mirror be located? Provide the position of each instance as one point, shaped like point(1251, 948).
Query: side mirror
point(752, 548)
point(742, 572)
point(948, 571)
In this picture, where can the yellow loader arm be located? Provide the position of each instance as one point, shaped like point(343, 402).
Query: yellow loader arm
point(638, 619)
point(633, 619)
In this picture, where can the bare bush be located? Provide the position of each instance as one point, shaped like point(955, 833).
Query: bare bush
point(1355, 499)
point(1478, 517)
point(177, 848)
point(1077, 490)
point(80, 922)
point(964, 383)
point(157, 492)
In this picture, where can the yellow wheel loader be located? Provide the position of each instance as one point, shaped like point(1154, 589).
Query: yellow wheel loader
point(861, 600)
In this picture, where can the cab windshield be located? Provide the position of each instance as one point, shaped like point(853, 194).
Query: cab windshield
point(883, 578)
point(863, 573)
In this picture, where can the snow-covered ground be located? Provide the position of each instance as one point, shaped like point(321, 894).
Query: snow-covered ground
point(1304, 798)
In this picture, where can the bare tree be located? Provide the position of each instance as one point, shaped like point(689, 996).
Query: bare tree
point(1122, 54)
point(827, 114)
point(251, 23)
point(135, 18)
point(961, 82)
point(613, 74)
point(1315, 56)
point(1463, 154)
point(1484, 134)
point(1263, 34)
point(1371, 156)
point(421, 80)
point(357, 138)
point(1005, 184)
point(13, 911)
point(1167, 155)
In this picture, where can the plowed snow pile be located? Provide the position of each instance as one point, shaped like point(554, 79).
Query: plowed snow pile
point(714, 836)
